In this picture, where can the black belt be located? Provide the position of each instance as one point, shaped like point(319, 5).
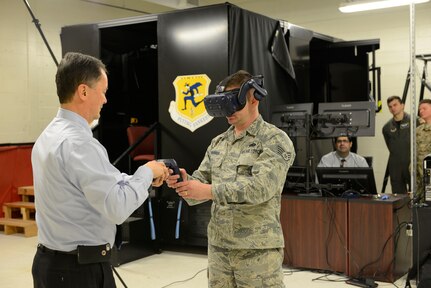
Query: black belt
point(47, 250)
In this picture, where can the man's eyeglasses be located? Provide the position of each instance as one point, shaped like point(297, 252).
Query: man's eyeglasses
point(343, 141)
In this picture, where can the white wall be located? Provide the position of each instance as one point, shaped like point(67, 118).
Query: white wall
point(27, 89)
point(27, 72)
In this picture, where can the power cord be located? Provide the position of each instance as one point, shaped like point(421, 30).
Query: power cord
point(340, 278)
point(185, 280)
point(118, 276)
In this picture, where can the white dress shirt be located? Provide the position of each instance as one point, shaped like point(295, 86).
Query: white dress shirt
point(79, 195)
point(332, 159)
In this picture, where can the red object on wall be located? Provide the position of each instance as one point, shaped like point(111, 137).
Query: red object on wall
point(15, 171)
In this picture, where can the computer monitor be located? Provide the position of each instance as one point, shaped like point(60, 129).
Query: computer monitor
point(296, 177)
point(346, 118)
point(291, 118)
point(338, 180)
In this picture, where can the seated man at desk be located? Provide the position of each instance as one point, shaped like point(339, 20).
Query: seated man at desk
point(342, 157)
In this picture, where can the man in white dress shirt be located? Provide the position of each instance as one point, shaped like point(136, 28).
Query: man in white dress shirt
point(342, 156)
point(79, 195)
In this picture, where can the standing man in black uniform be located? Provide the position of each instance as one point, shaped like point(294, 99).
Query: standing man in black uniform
point(397, 137)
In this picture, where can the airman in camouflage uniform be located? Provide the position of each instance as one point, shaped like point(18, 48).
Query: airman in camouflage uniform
point(243, 172)
point(423, 140)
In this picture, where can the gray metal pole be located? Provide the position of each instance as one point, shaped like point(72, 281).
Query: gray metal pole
point(413, 109)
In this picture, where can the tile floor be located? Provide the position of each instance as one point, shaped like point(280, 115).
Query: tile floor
point(168, 269)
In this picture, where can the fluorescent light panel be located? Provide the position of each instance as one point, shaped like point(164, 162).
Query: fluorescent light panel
point(357, 6)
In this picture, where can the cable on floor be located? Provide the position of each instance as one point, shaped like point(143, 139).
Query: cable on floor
point(185, 280)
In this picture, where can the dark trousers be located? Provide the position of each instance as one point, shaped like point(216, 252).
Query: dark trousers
point(55, 269)
point(399, 174)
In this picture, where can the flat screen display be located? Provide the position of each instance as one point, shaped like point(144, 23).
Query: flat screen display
point(291, 118)
point(346, 118)
point(358, 180)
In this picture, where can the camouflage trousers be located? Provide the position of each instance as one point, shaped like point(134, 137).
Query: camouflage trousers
point(249, 268)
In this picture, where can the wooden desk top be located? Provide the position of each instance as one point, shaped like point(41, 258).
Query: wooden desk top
point(364, 198)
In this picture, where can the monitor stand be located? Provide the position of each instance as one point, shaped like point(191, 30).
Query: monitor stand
point(308, 186)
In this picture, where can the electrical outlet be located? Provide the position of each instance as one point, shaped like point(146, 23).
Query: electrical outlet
point(409, 230)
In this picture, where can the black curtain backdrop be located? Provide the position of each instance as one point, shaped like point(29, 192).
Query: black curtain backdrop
point(257, 44)
point(192, 41)
point(217, 41)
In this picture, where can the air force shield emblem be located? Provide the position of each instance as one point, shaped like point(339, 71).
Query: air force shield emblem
point(188, 109)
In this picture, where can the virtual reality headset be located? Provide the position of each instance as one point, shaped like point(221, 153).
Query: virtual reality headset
point(225, 103)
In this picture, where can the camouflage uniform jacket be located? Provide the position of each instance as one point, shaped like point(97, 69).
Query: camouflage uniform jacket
point(247, 174)
point(423, 148)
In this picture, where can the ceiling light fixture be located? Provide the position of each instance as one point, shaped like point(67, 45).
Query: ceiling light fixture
point(361, 5)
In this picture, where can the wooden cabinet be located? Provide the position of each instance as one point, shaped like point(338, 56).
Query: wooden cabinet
point(379, 247)
point(315, 233)
point(358, 237)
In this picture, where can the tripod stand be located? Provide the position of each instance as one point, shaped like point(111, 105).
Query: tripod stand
point(302, 123)
point(424, 78)
point(308, 166)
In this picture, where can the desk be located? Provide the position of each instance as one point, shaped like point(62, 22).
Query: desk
point(315, 233)
point(357, 237)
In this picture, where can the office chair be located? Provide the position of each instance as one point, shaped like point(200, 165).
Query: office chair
point(144, 152)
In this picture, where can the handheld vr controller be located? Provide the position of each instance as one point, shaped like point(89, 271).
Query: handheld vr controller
point(172, 164)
